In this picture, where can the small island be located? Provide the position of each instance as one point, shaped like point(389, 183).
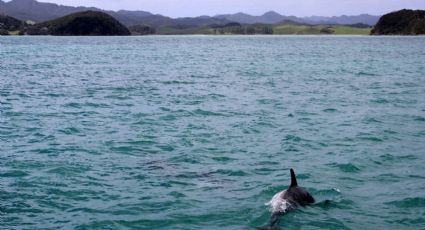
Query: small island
point(403, 22)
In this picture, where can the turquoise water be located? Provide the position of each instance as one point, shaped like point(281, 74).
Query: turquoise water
point(198, 132)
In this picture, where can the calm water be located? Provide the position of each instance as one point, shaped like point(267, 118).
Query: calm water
point(198, 132)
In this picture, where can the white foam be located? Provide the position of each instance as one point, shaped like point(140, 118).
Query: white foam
point(278, 204)
point(336, 189)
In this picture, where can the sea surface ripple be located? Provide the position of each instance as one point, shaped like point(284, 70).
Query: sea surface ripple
point(198, 132)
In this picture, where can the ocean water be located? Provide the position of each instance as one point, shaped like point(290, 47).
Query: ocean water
point(198, 132)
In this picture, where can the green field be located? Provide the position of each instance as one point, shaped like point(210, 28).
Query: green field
point(15, 32)
point(299, 29)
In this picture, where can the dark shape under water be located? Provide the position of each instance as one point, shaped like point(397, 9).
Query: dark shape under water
point(287, 200)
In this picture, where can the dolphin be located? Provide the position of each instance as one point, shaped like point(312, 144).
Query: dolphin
point(287, 200)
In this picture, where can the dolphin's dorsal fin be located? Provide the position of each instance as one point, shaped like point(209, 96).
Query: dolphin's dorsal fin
point(293, 179)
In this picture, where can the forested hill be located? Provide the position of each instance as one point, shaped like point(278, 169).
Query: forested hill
point(403, 22)
point(8, 23)
point(79, 24)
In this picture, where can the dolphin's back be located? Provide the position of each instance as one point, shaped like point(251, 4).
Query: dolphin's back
point(298, 196)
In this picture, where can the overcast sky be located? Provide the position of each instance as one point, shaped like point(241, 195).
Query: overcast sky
point(181, 8)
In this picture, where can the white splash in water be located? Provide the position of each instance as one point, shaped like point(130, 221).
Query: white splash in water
point(337, 190)
point(278, 204)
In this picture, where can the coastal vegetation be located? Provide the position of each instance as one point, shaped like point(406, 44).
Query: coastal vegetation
point(9, 25)
point(290, 28)
point(237, 28)
point(285, 28)
point(142, 30)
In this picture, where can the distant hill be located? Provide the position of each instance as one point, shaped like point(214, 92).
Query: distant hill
point(37, 11)
point(78, 24)
point(40, 12)
point(162, 21)
point(403, 22)
point(343, 20)
point(272, 17)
